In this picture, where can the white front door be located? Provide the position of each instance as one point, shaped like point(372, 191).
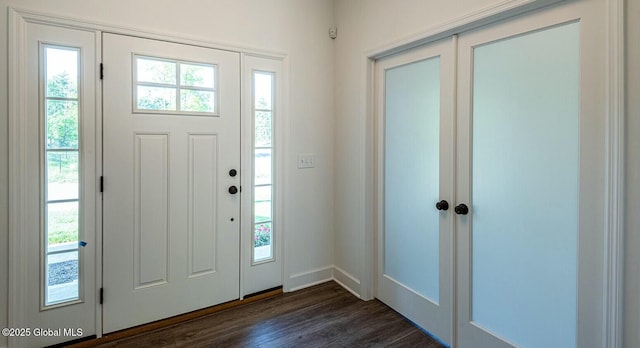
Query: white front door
point(415, 172)
point(171, 206)
point(531, 135)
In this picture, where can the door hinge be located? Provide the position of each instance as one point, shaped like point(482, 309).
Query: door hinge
point(101, 295)
point(101, 71)
point(101, 184)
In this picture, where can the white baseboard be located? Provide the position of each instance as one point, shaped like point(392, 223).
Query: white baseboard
point(347, 281)
point(313, 277)
point(317, 276)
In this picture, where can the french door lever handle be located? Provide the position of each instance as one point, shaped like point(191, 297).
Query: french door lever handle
point(442, 205)
point(461, 209)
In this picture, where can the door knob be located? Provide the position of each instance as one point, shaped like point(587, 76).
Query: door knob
point(442, 205)
point(233, 173)
point(462, 209)
point(233, 190)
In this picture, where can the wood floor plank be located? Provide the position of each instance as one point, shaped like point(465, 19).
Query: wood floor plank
point(325, 315)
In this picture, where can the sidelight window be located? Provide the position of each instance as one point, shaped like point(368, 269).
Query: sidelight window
point(263, 110)
point(62, 184)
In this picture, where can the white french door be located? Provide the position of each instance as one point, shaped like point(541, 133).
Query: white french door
point(531, 170)
point(524, 227)
point(171, 197)
point(415, 148)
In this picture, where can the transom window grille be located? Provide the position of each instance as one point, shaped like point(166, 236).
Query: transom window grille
point(62, 179)
point(263, 110)
point(163, 85)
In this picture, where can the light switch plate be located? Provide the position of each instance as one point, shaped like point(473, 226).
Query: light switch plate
point(306, 160)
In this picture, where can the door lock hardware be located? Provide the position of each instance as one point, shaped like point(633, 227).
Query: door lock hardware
point(462, 209)
point(442, 205)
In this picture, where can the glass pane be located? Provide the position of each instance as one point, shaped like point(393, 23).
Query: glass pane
point(263, 93)
point(62, 225)
point(262, 242)
point(197, 75)
point(155, 71)
point(62, 175)
point(263, 167)
point(200, 101)
point(262, 199)
point(62, 277)
point(156, 98)
point(263, 129)
point(62, 124)
point(263, 84)
point(412, 128)
point(526, 151)
point(62, 72)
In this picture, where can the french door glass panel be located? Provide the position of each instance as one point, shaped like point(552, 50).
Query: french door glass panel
point(412, 127)
point(525, 187)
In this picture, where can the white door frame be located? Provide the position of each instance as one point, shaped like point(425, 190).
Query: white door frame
point(615, 168)
point(18, 20)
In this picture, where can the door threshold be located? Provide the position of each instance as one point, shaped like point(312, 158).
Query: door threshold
point(260, 293)
point(163, 323)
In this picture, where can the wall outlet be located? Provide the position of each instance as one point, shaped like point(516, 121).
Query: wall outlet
point(306, 160)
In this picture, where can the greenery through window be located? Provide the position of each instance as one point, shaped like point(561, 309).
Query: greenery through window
point(170, 85)
point(62, 174)
point(263, 109)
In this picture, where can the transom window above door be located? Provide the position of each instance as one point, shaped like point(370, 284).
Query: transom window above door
point(168, 86)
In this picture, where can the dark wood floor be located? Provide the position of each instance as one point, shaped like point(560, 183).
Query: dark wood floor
point(325, 315)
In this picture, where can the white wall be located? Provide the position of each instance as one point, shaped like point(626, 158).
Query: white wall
point(632, 274)
point(295, 27)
